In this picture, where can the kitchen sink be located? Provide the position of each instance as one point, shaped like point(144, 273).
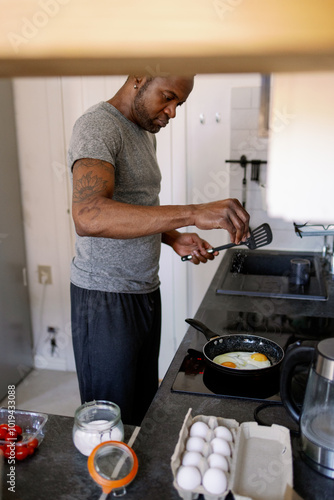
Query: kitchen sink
point(268, 274)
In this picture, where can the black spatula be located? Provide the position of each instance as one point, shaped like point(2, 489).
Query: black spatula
point(259, 237)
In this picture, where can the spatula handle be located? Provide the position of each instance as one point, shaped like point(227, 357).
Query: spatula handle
point(224, 247)
point(211, 250)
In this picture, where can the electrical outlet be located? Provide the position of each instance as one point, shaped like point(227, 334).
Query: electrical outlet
point(44, 275)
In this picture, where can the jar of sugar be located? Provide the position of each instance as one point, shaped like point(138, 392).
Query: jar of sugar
point(96, 422)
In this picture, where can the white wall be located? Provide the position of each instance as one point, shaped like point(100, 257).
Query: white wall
point(245, 141)
point(301, 146)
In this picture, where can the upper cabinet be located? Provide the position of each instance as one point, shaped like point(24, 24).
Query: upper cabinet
point(104, 37)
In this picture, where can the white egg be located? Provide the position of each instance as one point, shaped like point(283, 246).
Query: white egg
point(242, 360)
point(191, 458)
point(199, 429)
point(249, 366)
point(195, 444)
point(218, 461)
point(221, 446)
point(214, 481)
point(229, 360)
point(188, 477)
point(259, 360)
point(223, 432)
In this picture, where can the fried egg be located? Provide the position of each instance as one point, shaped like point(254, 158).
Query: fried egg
point(243, 360)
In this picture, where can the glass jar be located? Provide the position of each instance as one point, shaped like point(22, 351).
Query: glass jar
point(96, 422)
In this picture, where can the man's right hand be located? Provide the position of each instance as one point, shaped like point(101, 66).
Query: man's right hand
point(226, 214)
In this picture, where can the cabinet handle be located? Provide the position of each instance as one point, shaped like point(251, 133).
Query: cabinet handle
point(24, 274)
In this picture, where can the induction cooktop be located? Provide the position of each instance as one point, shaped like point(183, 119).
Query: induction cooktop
point(195, 377)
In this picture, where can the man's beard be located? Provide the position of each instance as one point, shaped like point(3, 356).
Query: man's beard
point(143, 116)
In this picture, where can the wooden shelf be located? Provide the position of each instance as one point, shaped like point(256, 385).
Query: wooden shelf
point(110, 37)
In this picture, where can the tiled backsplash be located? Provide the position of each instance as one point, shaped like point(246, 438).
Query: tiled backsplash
point(245, 104)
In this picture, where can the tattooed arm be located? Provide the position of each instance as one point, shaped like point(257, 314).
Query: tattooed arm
point(95, 213)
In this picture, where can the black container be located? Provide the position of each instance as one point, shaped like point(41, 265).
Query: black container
point(300, 271)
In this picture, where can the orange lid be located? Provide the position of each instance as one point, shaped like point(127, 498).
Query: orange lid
point(113, 465)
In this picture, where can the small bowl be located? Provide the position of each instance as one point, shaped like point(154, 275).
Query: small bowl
point(32, 424)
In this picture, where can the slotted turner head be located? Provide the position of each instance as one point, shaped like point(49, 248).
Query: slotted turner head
point(259, 237)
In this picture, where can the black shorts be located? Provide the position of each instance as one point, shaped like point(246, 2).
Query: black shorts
point(116, 341)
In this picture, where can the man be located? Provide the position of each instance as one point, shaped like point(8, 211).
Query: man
point(114, 279)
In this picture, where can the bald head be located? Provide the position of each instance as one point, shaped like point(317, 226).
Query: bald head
point(151, 102)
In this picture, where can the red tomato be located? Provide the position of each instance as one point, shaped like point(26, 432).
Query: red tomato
point(21, 452)
point(3, 432)
point(4, 426)
point(18, 429)
point(31, 449)
point(33, 443)
point(11, 435)
point(7, 452)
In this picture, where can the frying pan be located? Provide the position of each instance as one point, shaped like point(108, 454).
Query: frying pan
point(239, 342)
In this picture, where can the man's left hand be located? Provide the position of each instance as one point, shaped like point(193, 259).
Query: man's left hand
point(191, 243)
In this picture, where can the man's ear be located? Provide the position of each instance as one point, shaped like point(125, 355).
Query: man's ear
point(138, 79)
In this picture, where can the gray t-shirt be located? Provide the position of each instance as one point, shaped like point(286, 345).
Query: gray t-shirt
point(115, 265)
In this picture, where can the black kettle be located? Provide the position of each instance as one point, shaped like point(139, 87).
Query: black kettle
point(316, 417)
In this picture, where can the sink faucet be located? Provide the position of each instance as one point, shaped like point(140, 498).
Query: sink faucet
point(328, 255)
point(325, 248)
point(320, 230)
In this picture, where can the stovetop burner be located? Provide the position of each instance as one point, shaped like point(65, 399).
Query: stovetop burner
point(196, 377)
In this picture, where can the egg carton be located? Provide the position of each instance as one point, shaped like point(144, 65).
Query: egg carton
point(260, 465)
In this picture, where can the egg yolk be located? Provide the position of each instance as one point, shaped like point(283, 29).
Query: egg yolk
point(229, 364)
point(257, 356)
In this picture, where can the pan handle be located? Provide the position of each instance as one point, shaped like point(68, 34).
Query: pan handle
point(198, 325)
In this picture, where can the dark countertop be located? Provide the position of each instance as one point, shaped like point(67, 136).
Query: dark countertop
point(56, 470)
point(59, 471)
